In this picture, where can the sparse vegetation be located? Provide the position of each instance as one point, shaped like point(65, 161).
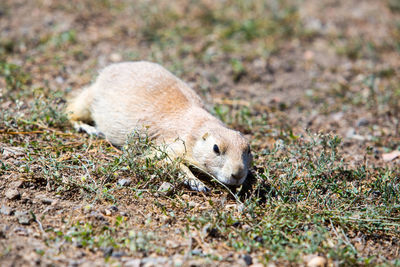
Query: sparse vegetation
point(318, 96)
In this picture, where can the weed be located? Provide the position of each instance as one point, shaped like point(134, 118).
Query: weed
point(15, 78)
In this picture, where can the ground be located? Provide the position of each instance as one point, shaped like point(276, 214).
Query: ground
point(314, 85)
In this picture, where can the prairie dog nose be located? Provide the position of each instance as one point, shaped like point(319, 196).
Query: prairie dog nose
point(238, 174)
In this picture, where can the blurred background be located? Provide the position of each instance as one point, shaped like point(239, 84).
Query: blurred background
point(319, 65)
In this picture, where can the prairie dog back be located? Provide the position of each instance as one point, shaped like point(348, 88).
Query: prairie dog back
point(135, 93)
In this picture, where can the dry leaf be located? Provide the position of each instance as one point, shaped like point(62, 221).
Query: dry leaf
point(391, 156)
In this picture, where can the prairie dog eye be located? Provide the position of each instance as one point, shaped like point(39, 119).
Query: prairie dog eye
point(216, 149)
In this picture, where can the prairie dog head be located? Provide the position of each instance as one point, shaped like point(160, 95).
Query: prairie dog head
point(223, 153)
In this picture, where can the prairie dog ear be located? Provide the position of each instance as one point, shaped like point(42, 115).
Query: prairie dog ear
point(205, 136)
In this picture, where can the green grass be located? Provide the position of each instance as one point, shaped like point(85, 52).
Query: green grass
point(304, 201)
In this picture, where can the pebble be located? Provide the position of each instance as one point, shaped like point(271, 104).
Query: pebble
point(259, 239)
point(123, 213)
point(166, 188)
point(113, 208)
point(156, 261)
point(362, 122)
point(351, 134)
point(12, 151)
point(124, 182)
point(197, 252)
point(5, 210)
point(59, 80)
point(12, 194)
point(107, 252)
point(118, 254)
point(199, 262)
point(247, 259)
point(21, 231)
point(23, 217)
point(337, 116)
point(115, 57)
point(44, 199)
point(133, 263)
point(316, 261)
point(16, 184)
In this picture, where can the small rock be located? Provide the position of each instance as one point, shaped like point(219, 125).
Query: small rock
point(115, 57)
point(362, 122)
point(337, 116)
point(166, 188)
point(259, 239)
point(247, 259)
point(199, 262)
point(156, 261)
point(23, 217)
point(16, 184)
point(197, 252)
point(118, 254)
point(308, 55)
point(21, 231)
point(236, 224)
point(59, 80)
point(12, 151)
point(12, 194)
point(44, 199)
point(107, 252)
point(133, 263)
point(391, 156)
point(124, 182)
point(6, 210)
point(107, 212)
point(113, 208)
point(123, 213)
point(351, 134)
point(316, 261)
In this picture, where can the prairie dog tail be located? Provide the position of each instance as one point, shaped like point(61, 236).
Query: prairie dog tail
point(78, 106)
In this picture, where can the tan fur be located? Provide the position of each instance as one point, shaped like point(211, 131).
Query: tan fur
point(78, 108)
point(144, 96)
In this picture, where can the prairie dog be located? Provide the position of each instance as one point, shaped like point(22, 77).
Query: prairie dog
point(144, 96)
